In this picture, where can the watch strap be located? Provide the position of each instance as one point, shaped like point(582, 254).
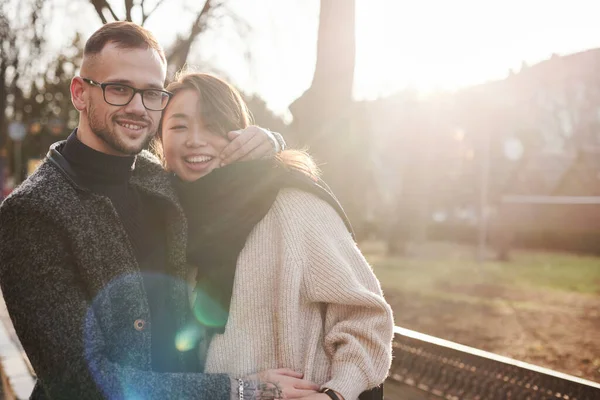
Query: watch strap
point(330, 393)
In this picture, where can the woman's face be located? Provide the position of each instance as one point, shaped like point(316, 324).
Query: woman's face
point(191, 148)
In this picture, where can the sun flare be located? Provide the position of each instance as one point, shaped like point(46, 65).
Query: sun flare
point(435, 44)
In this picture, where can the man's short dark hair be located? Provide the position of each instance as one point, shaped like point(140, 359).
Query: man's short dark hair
point(125, 35)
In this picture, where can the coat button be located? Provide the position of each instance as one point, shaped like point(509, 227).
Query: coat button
point(139, 324)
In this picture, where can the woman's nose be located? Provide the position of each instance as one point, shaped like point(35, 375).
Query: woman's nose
point(194, 139)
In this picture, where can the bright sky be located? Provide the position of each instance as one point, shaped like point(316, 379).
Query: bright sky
point(424, 44)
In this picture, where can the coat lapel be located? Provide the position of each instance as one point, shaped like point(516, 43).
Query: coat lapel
point(151, 178)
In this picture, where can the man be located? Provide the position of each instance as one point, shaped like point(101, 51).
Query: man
point(92, 246)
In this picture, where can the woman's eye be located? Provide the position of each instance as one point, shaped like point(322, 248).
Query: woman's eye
point(178, 127)
point(213, 130)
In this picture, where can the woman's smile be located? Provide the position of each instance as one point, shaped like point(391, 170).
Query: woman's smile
point(198, 163)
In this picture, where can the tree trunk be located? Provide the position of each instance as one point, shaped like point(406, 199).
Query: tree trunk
point(128, 7)
point(331, 90)
point(3, 104)
point(326, 120)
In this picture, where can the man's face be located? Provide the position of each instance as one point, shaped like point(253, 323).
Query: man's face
point(124, 130)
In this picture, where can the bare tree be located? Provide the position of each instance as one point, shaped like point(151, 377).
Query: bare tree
point(331, 90)
point(211, 12)
point(326, 119)
point(21, 38)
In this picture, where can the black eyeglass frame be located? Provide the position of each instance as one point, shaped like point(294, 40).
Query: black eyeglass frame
point(103, 86)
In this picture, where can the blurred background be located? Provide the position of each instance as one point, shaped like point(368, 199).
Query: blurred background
point(462, 137)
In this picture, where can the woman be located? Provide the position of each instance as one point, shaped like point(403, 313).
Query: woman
point(280, 282)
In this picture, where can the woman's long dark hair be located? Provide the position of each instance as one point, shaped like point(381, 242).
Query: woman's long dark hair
point(222, 107)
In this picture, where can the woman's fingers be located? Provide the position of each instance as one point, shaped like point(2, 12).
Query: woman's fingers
point(287, 372)
point(294, 379)
point(294, 388)
point(297, 394)
point(306, 385)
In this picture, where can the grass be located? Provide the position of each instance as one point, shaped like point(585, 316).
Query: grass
point(435, 264)
point(541, 307)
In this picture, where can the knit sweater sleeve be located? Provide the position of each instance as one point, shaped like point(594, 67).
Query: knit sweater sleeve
point(358, 321)
point(52, 315)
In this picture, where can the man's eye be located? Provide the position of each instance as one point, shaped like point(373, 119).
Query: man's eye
point(153, 94)
point(118, 90)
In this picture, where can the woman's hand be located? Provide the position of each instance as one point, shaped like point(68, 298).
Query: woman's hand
point(248, 144)
point(282, 383)
point(321, 396)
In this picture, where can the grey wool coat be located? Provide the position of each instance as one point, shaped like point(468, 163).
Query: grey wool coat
point(75, 294)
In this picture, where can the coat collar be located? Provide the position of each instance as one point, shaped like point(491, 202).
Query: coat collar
point(149, 177)
point(148, 173)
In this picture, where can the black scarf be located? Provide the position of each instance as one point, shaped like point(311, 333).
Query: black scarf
point(222, 208)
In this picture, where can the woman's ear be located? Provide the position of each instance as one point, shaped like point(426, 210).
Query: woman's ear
point(78, 93)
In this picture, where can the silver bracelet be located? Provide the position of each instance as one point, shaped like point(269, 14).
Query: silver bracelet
point(274, 141)
point(241, 389)
point(280, 140)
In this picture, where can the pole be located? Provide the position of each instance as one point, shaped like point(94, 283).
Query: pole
point(18, 162)
point(2, 166)
point(483, 196)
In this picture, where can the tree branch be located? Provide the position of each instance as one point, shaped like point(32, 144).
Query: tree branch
point(146, 16)
point(180, 51)
point(142, 8)
point(243, 25)
point(111, 11)
point(99, 6)
point(128, 7)
point(200, 24)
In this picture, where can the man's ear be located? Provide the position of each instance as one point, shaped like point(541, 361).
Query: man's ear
point(78, 93)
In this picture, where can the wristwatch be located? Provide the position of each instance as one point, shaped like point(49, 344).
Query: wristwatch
point(330, 393)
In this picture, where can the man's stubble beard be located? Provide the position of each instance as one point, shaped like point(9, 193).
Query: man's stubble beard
point(108, 135)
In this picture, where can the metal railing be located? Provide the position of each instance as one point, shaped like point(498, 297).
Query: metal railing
point(435, 367)
point(443, 369)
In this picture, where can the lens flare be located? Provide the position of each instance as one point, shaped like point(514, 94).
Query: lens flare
point(110, 318)
point(187, 338)
point(208, 311)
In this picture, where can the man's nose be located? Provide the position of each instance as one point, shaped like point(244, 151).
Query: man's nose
point(136, 105)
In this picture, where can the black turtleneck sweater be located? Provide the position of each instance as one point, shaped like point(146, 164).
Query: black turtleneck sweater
point(143, 219)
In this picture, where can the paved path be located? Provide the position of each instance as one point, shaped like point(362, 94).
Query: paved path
point(15, 365)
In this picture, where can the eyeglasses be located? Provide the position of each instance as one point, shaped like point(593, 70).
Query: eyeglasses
point(118, 94)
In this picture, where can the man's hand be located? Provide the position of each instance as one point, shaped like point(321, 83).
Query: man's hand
point(282, 383)
point(248, 144)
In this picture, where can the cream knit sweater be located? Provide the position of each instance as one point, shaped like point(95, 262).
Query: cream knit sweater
point(305, 298)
